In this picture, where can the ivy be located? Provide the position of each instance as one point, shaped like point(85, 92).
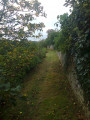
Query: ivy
point(73, 38)
point(80, 43)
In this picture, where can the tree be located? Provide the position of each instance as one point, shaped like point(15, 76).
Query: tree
point(50, 39)
point(52, 34)
point(74, 40)
point(16, 18)
point(61, 20)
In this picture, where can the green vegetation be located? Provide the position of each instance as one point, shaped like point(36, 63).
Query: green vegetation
point(44, 91)
point(17, 54)
point(16, 59)
point(51, 35)
point(47, 93)
point(74, 40)
point(16, 18)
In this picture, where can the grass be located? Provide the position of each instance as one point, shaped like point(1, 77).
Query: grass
point(48, 94)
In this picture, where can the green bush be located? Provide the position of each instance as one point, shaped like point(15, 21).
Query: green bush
point(16, 59)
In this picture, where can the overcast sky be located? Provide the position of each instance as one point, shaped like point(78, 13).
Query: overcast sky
point(52, 8)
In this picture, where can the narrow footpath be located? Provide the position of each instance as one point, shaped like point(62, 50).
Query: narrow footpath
point(49, 95)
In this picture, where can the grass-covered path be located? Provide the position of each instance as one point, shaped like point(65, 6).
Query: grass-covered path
point(49, 95)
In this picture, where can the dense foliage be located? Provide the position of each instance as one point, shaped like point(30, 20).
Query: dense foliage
point(52, 34)
point(17, 54)
point(16, 18)
point(16, 59)
point(74, 40)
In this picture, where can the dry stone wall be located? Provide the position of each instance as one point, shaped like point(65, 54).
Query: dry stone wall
point(72, 77)
point(51, 47)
